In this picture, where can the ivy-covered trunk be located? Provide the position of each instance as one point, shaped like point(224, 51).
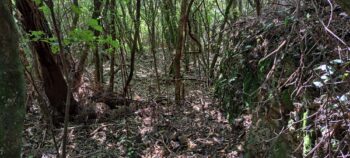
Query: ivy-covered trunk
point(12, 93)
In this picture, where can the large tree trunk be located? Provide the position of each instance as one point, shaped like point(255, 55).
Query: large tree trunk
point(12, 93)
point(54, 83)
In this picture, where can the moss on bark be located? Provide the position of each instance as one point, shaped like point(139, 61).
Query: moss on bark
point(11, 87)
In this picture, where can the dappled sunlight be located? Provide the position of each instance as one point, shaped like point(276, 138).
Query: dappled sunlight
point(164, 78)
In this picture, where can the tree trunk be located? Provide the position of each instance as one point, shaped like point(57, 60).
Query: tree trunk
point(12, 90)
point(54, 82)
point(96, 13)
point(134, 46)
point(169, 9)
point(179, 50)
point(114, 37)
point(151, 25)
point(169, 22)
point(258, 7)
point(80, 68)
point(217, 45)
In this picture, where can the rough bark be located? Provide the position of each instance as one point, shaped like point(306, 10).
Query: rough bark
point(54, 83)
point(12, 94)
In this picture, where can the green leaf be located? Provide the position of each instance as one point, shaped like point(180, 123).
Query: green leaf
point(54, 48)
point(76, 9)
point(109, 40)
point(36, 35)
point(113, 43)
point(45, 9)
point(67, 42)
point(82, 35)
point(93, 23)
point(37, 2)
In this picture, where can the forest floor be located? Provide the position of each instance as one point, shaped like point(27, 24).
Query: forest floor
point(198, 128)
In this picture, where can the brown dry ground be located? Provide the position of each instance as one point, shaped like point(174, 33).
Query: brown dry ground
point(198, 128)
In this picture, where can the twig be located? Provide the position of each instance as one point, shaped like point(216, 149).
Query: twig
point(44, 109)
point(326, 27)
point(71, 128)
point(97, 129)
point(285, 129)
point(331, 15)
point(273, 52)
point(69, 76)
point(166, 147)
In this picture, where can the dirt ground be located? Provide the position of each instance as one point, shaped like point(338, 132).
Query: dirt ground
point(198, 128)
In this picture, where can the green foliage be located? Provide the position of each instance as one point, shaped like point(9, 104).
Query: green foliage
point(79, 35)
point(37, 35)
point(109, 40)
point(306, 139)
point(37, 2)
point(76, 9)
point(93, 23)
point(45, 9)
